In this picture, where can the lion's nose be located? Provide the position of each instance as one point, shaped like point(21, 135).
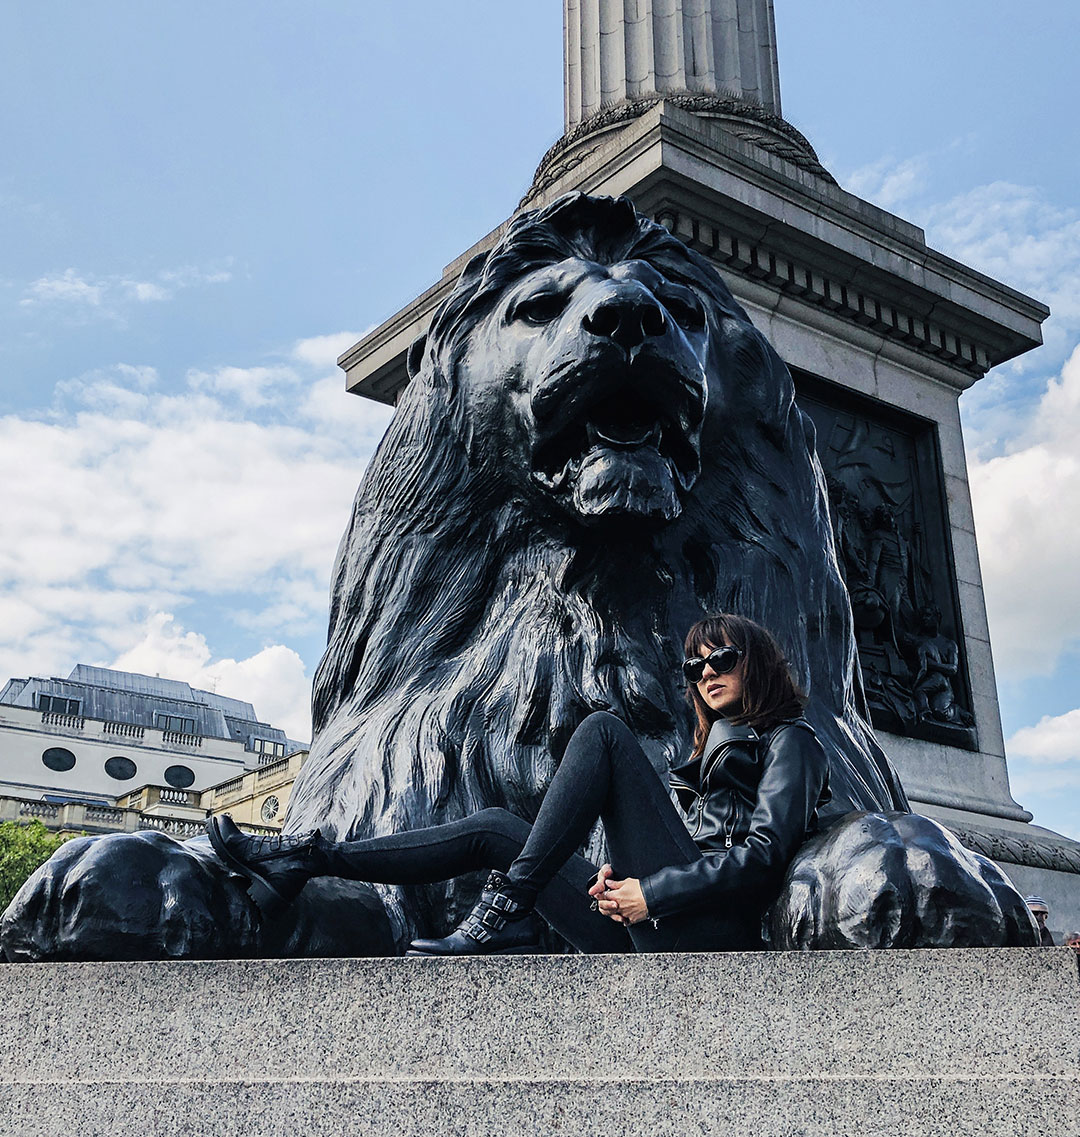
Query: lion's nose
point(627, 316)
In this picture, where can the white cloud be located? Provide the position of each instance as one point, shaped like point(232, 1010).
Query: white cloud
point(68, 287)
point(323, 351)
point(1024, 503)
point(273, 679)
point(104, 295)
point(141, 500)
point(1054, 740)
point(1012, 233)
point(889, 183)
point(253, 386)
point(144, 290)
point(122, 389)
point(190, 276)
point(329, 407)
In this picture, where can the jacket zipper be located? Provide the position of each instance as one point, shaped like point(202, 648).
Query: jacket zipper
point(706, 773)
point(733, 813)
point(700, 813)
point(681, 785)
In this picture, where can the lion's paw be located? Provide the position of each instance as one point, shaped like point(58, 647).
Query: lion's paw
point(895, 880)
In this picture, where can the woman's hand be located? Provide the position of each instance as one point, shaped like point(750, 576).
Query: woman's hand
point(621, 900)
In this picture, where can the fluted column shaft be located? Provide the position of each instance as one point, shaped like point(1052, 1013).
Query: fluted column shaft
point(624, 49)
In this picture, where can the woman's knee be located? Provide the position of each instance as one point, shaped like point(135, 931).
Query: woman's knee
point(603, 725)
point(607, 734)
point(495, 819)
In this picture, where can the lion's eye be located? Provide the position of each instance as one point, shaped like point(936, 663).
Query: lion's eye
point(541, 308)
point(685, 309)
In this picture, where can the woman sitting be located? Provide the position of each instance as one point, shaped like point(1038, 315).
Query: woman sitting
point(696, 877)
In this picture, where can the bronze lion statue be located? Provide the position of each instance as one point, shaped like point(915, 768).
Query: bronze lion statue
point(596, 449)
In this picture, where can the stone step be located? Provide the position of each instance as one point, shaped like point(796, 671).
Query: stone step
point(783, 1107)
point(941, 1042)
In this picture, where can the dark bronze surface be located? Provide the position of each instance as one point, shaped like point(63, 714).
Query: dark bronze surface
point(596, 448)
point(896, 880)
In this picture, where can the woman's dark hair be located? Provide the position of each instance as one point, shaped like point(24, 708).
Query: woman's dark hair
point(769, 692)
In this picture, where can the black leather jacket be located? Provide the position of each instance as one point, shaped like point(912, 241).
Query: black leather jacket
point(749, 802)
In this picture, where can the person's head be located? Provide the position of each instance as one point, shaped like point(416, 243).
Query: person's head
point(1072, 939)
point(751, 685)
point(1038, 908)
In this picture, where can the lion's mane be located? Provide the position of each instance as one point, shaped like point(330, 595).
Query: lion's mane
point(470, 631)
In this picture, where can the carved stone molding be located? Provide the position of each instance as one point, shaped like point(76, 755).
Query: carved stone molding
point(1017, 851)
point(746, 120)
point(844, 299)
point(615, 51)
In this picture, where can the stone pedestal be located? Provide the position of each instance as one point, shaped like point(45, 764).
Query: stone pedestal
point(921, 1043)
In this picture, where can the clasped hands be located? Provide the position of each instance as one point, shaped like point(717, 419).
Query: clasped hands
point(621, 900)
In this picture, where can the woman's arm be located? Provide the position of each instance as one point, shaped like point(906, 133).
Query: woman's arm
point(794, 773)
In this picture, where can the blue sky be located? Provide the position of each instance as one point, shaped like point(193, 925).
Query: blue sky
point(202, 204)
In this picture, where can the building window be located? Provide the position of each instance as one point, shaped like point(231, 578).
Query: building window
point(58, 759)
point(179, 777)
point(268, 747)
point(178, 724)
point(122, 769)
point(271, 807)
point(53, 704)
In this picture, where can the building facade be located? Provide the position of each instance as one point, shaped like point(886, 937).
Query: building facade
point(106, 751)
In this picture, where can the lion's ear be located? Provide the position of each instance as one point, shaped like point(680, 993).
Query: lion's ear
point(414, 357)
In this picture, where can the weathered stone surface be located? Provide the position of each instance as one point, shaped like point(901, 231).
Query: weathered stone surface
point(813, 1107)
point(932, 1042)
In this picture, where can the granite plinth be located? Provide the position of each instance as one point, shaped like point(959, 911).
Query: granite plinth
point(964, 1041)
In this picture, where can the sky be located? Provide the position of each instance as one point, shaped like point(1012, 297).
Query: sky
point(203, 204)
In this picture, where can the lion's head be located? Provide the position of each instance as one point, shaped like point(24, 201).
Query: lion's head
point(583, 362)
point(596, 448)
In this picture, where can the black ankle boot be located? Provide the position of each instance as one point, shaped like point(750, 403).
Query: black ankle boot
point(277, 867)
point(499, 923)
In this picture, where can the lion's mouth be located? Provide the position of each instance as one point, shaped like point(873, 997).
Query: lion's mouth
point(622, 424)
point(624, 430)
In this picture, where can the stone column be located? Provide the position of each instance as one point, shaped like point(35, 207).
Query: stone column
point(616, 50)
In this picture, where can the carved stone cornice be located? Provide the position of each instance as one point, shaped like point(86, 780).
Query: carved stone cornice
point(847, 299)
point(1018, 851)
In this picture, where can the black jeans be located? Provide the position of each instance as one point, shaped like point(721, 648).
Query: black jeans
point(604, 774)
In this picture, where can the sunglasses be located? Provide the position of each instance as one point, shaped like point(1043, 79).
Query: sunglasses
point(723, 660)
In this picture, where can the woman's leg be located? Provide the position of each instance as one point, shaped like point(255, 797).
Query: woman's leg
point(490, 839)
point(605, 773)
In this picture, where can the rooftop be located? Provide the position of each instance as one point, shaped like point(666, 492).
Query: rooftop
point(142, 700)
